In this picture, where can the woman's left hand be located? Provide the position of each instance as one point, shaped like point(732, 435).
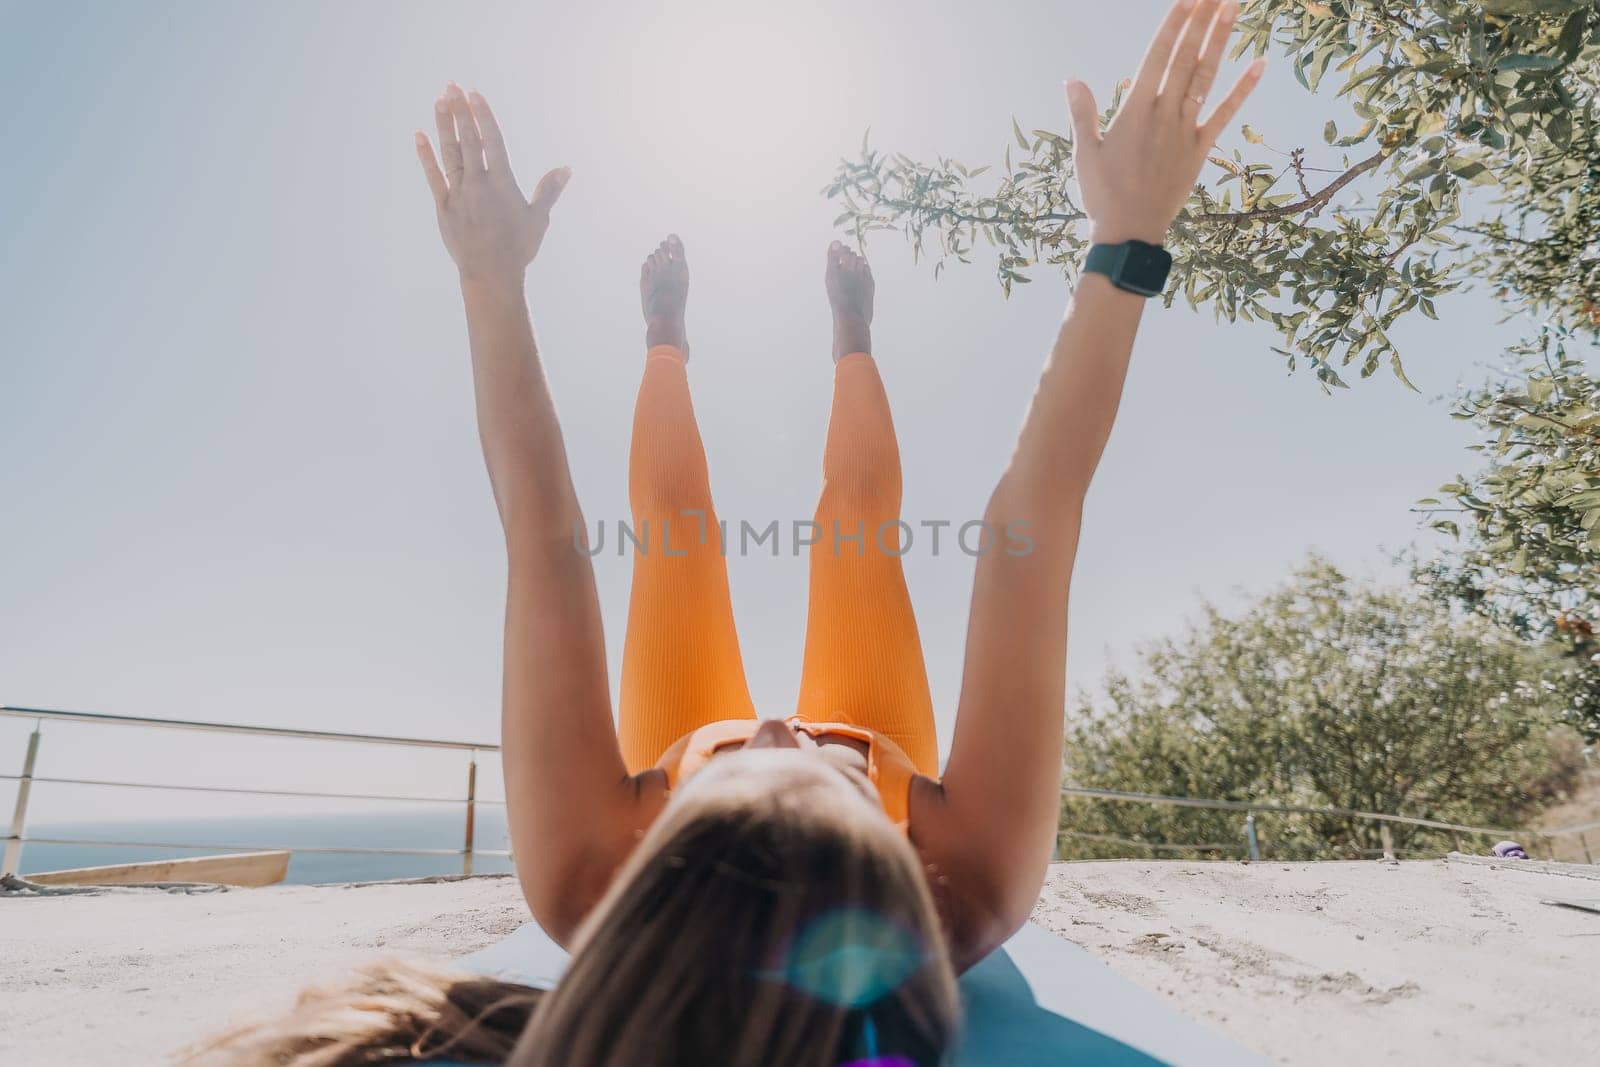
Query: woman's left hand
point(1138, 174)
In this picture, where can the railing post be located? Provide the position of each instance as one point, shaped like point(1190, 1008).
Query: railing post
point(1387, 838)
point(470, 843)
point(19, 814)
point(1583, 839)
point(1250, 836)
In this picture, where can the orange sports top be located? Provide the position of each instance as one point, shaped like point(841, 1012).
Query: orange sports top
point(888, 767)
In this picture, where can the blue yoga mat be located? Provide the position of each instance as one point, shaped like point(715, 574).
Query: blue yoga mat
point(1037, 1001)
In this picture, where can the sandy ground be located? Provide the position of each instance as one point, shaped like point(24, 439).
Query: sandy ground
point(1316, 963)
point(1352, 963)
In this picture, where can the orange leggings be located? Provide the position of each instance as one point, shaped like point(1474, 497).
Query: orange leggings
point(681, 666)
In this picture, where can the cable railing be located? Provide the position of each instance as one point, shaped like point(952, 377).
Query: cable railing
point(296, 793)
point(1250, 845)
point(1247, 845)
point(17, 836)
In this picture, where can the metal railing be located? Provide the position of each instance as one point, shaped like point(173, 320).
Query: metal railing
point(17, 836)
point(1248, 843)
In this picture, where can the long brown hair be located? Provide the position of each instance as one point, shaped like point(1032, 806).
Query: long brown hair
point(753, 925)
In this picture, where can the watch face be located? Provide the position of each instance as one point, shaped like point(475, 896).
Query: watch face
point(1145, 268)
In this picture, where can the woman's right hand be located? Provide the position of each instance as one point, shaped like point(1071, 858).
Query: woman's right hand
point(491, 232)
point(1138, 174)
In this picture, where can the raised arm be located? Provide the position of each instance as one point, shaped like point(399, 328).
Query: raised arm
point(571, 806)
point(999, 799)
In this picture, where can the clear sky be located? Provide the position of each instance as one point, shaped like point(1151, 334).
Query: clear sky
point(241, 476)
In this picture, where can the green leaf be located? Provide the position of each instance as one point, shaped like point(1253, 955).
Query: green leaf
point(1328, 376)
point(1572, 34)
point(1470, 170)
point(1425, 169)
point(1400, 372)
point(1516, 8)
point(1524, 61)
point(1583, 501)
point(1559, 129)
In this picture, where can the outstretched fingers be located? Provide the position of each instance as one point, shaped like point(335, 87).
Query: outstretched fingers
point(494, 144)
point(449, 143)
point(549, 190)
point(1147, 83)
point(430, 169)
point(466, 130)
point(1085, 116)
point(1205, 71)
point(1233, 101)
point(1186, 55)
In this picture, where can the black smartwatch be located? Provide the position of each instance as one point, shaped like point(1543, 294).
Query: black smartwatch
point(1133, 266)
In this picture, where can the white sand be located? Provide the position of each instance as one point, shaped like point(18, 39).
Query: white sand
point(1352, 963)
point(1315, 963)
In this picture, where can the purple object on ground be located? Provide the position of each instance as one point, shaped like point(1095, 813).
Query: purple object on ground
point(1510, 850)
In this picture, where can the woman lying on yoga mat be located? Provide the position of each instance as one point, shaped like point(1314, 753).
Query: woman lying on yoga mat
point(796, 891)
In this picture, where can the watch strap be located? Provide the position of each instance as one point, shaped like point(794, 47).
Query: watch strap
point(1105, 259)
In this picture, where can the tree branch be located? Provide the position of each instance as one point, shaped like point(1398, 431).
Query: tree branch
point(954, 215)
point(1311, 203)
point(1314, 202)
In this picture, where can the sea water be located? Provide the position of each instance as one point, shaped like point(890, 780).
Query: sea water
point(420, 829)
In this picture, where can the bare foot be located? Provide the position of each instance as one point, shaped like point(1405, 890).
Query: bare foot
point(850, 288)
point(663, 291)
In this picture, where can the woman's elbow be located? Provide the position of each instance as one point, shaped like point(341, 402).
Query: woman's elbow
point(561, 894)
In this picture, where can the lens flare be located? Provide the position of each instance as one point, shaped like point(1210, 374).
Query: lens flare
point(850, 957)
